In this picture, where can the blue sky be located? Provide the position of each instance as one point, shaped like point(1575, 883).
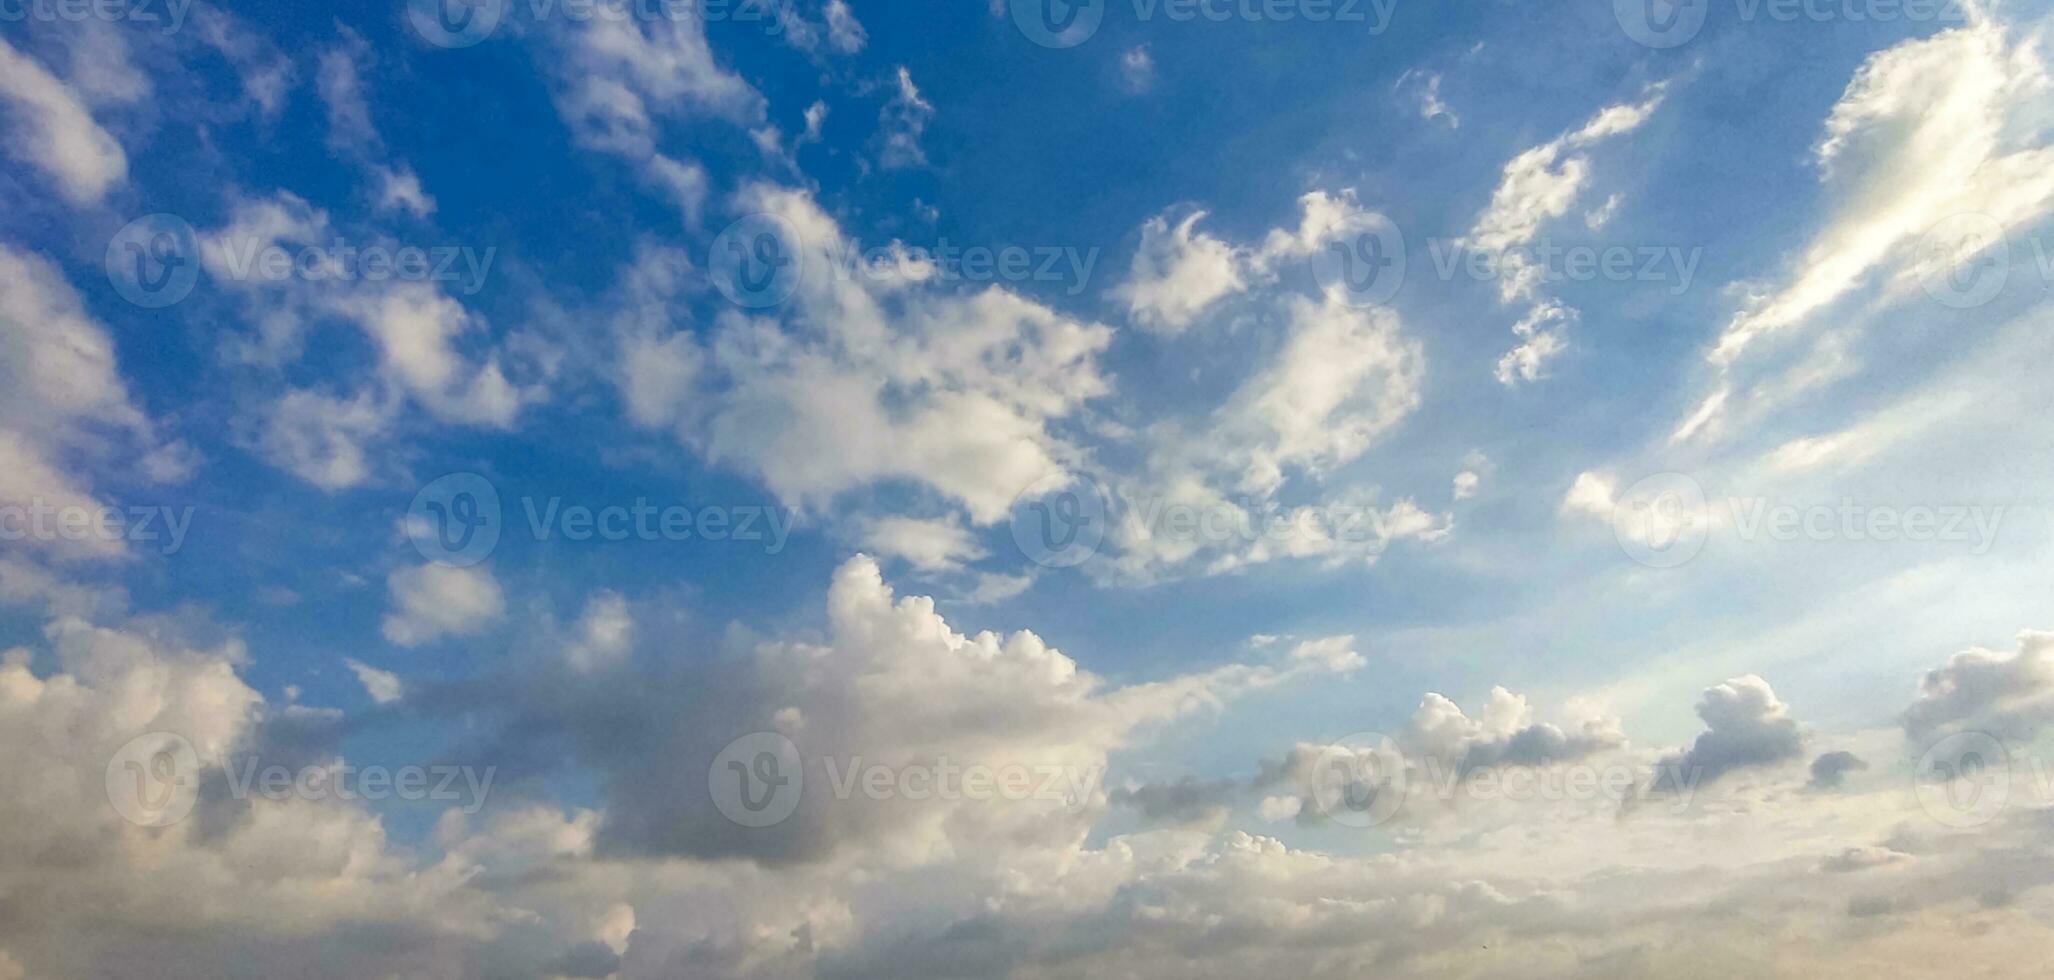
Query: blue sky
point(1698, 431)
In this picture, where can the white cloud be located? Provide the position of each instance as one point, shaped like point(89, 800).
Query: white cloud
point(872, 377)
point(1538, 186)
point(1423, 90)
point(55, 131)
point(1178, 272)
point(1983, 690)
point(383, 686)
point(430, 602)
point(64, 408)
point(843, 30)
point(622, 77)
point(930, 545)
point(401, 190)
point(901, 123)
point(602, 635)
point(1930, 129)
point(1137, 68)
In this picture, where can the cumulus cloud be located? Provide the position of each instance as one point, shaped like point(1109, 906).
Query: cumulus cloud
point(1745, 726)
point(1504, 734)
point(2008, 696)
point(873, 377)
point(430, 602)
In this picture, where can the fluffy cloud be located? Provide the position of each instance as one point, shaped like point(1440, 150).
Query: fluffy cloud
point(857, 887)
point(2009, 696)
point(879, 375)
point(1830, 769)
point(620, 78)
point(1745, 726)
point(422, 335)
point(1179, 273)
point(55, 131)
point(928, 545)
point(430, 602)
point(383, 686)
point(64, 408)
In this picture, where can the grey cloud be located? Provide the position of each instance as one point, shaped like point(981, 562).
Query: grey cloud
point(1745, 726)
point(1831, 769)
